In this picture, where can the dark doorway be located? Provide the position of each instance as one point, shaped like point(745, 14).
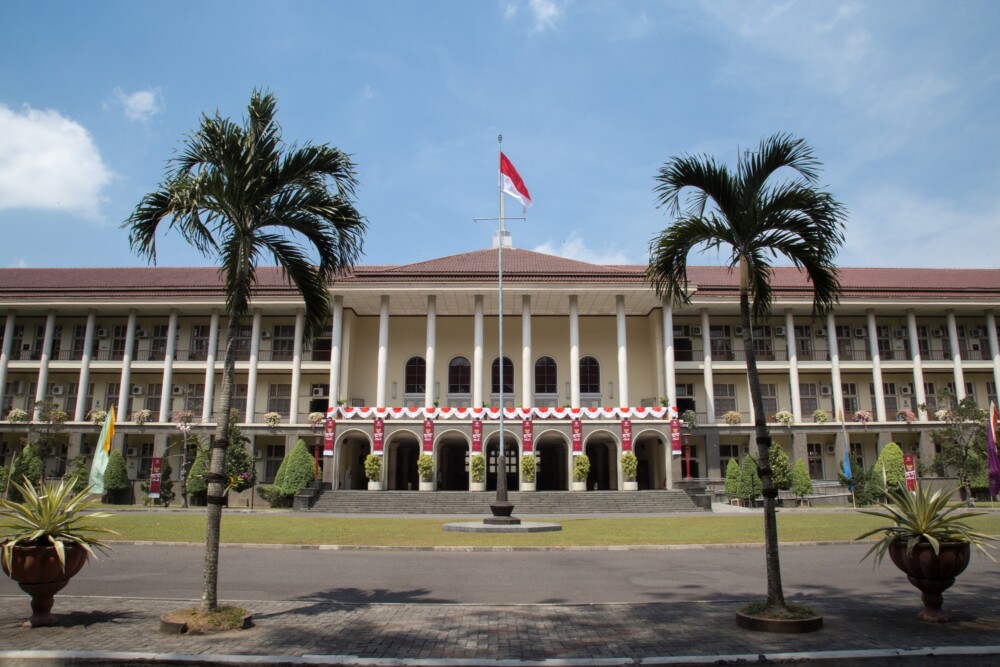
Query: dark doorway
point(601, 455)
point(551, 460)
point(511, 458)
point(453, 466)
point(403, 467)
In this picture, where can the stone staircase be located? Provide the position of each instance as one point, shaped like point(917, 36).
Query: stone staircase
point(546, 503)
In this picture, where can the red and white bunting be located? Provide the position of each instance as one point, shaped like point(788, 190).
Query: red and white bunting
point(611, 414)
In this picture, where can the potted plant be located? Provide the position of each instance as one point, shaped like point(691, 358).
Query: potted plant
point(630, 468)
point(784, 417)
point(97, 416)
point(732, 418)
point(49, 540)
point(425, 468)
point(316, 419)
point(926, 539)
point(140, 417)
point(908, 416)
point(581, 468)
point(272, 419)
point(690, 418)
point(863, 417)
point(820, 416)
point(529, 469)
point(477, 467)
point(17, 415)
point(373, 471)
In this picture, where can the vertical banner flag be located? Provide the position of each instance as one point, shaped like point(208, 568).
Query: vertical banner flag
point(626, 435)
point(577, 433)
point(991, 450)
point(675, 436)
point(477, 436)
point(527, 436)
point(847, 452)
point(101, 452)
point(910, 470)
point(329, 432)
point(511, 183)
point(378, 435)
point(155, 475)
point(428, 436)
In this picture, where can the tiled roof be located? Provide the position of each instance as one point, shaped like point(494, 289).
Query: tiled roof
point(520, 266)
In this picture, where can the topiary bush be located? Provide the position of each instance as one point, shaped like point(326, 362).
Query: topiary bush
point(801, 484)
point(196, 486)
point(529, 468)
point(478, 468)
point(781, 467)
point(749, 487)
point(733, 478)
point(373, 467)
point(892, 458)
point(297, 469)
point(630, 466)
point(28, 464)
point(116, 477)
point(425, 467)
point(581, 467)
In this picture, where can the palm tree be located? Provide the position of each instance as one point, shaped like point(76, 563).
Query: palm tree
point(756, 218)
point(238, 195)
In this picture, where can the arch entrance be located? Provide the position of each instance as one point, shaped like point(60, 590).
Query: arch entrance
point(352, 450)
point(602, 451)
point(651, 453)
point(452, 472)
point(552, 454)
point(511, 455)
point(401, 461)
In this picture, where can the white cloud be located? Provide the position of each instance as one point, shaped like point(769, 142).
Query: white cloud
point(574, 248)
point(544, 12)
point(49, 162)
point(18, 263)
point(140, 105)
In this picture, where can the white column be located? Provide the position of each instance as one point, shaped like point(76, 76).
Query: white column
point(383, 351)
point(574, 352)
point(213, 349)
point(43, 367)
point(876, 367)
point(477, 353)
point(125, 390)
point(918, 369)
point(668, 354)
point(336, 343)
point(622, 352)
point(956, 356)
point(431, 353)
point(252, 370)
point(838, 390)
point(300, 327)
point(991, 331)
point(345, 358)
point(167, 395)
point(706, 346)
point(8, 341)
point(88, 346)
point(793, 365)
point(527, 366)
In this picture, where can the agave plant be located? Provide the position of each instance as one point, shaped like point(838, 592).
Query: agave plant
point(923, 518)
point(52, 514)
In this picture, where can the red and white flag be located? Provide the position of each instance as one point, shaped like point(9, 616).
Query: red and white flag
point(511, 183)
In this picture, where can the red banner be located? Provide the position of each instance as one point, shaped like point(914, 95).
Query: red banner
point(675, 436)
point(527, 436)
point(378, 436)
point(910, 470)
point(577, 436)
point(428, 436)
point(330, 433)
point(155, 473)
point(626, 435)
point(477, 436)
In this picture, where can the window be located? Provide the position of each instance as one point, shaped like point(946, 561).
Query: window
point(79, 341)
point(808, 398)
point(279, 399)
point(721, 341)
point(858, 454)
point(72, 392)
point(991, 392)
point(685, 398)
point(930, 396)
point(273, 456)
point(111, 399)
point(199, 342)
point(727, 452)
point(241, 341)
point(815, 452)
point(763, 348)
point(194, 401)
point(239, 400)
point(546, 381)
point(145, 460)
point(769, 395)
point(850, 391)
point(459, 376)
point(158, 342)
point(725, 398)
point(17, 341)
point(154, 392)
point(508, 376)
point(415, 376)
point(283, 342)
point(118, 338)
point(804, 349)
point(891, 399)
point(590, 376)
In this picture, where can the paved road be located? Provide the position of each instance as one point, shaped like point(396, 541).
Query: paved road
point(500, 577)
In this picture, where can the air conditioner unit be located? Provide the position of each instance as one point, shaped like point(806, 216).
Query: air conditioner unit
point(914, 448)
point(137, 390)
point(738, 331)
point(779, 331)
point(821, 331)
point(318, 392)
point(141, 333)
point(825, 390)
point(178, 390)
point(265, 334)
point(899, 333)
point(975, 333)
point(25, 346)
point(859, 332)
point(938, 333)
point(17, 387)
point(831, 449)
point(102, 333)
point(906, 390)
point(975, 347)
point(58, 390)
point(695, 331)
point(131, 451)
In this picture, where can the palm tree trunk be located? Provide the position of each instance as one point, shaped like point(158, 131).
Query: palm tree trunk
point(775, 594)
point(216, 477)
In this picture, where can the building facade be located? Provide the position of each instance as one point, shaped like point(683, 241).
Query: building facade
point(411, 364)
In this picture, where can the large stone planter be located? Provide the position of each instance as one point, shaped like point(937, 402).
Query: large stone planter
point(528, 486)
point(579, 486)
point(931, 573)
point(39, 573)
point(477, 486)
point(426, 486)
point(374, 485)
point(631, 486)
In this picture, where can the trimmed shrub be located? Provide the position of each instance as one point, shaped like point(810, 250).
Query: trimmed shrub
point(781, 467)
point(630, 466)
point(801, 484)
point(749, 487)
point(529, 468)
point(373, 467)
point(425, 467)
point(581, 467)
point(733, 478)
point(297, 469)
point(478, 466)
point(892, 457)
point(28, 464)
point(116, 477)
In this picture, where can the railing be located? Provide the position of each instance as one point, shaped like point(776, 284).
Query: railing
point(741, 355)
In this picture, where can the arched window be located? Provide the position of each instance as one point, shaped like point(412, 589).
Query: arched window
point(545, 376)
point(590, 376)
point(508, 376)
point(459, 376)
point(415, 376)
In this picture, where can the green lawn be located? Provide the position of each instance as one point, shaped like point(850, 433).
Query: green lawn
point(275, 528)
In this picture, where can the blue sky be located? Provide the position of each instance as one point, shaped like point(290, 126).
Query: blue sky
point(899, 100)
